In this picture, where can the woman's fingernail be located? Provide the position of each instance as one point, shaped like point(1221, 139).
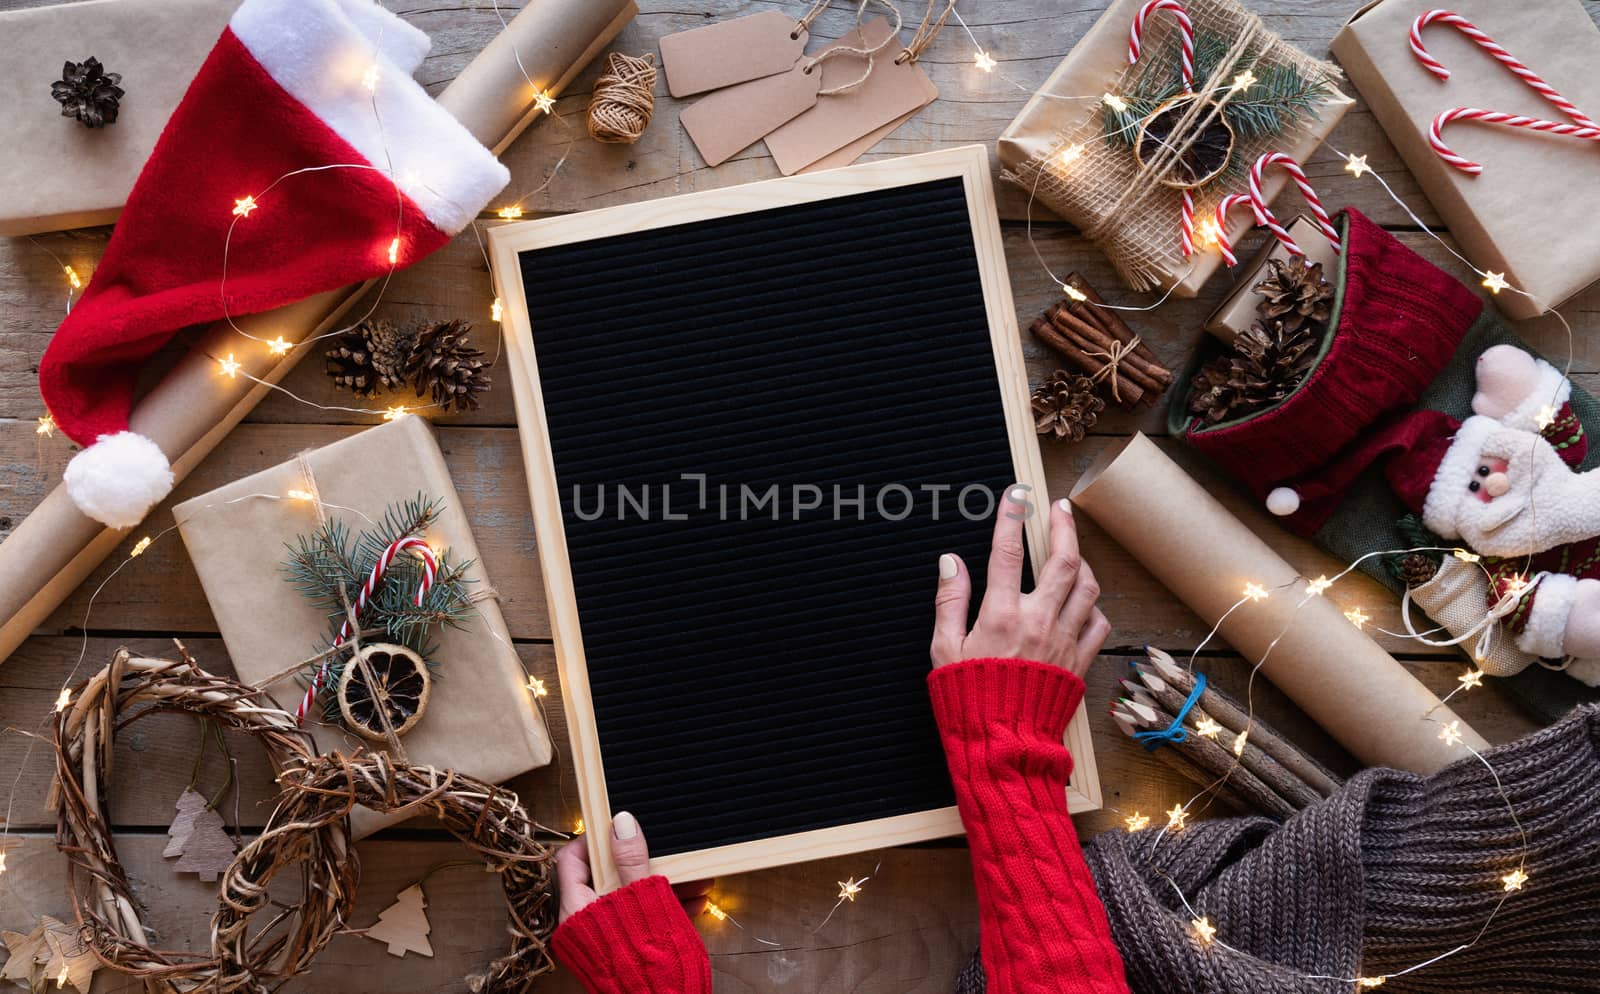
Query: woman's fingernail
point(1018, 494)
point(948, 567)
point(624, 825)
point(1065, 505)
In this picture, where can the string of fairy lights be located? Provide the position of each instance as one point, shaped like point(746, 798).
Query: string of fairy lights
point(1204, 931)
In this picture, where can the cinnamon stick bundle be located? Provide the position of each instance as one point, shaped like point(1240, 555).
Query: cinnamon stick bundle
point(1099, 342)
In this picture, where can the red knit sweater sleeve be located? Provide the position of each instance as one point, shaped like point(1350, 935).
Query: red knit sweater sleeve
point(636, 940)
point(1043, 929)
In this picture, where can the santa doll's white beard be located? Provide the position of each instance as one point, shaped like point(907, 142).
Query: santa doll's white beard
point(1548, 505)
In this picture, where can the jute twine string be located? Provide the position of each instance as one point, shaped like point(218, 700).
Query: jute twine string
point(926, 31)
point(867, 53)
point(1106, 192)
point(1114, 357)
point(242, 958)
point(624, 99)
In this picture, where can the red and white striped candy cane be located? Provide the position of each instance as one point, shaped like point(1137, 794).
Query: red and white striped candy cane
point(1185, 36)
point(1186, 224)
point(1226, 205)
point(1468, 166)
point(1323, 221)
point(1511, 62)
point(430, 569)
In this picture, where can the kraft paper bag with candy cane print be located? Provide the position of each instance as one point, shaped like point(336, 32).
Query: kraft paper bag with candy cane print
point(1529, 68)
point(1363, 455)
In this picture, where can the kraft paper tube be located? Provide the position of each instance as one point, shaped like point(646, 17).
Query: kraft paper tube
point(56, 547)
point(1204, 555)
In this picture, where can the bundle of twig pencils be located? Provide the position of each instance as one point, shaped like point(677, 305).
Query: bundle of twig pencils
point(1210, 739)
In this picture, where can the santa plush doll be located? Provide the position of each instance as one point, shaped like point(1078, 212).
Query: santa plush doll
point(302, 158)
point(1503, 483)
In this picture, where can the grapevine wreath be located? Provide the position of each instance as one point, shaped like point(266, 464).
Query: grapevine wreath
point(309, 829)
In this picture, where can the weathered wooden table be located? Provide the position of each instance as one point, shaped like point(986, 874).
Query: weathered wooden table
point(915, 924)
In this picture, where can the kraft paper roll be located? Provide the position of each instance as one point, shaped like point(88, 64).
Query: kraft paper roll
point(56, 547)
point(1204, 555)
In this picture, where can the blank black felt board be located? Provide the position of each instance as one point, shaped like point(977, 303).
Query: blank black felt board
point(753, 420)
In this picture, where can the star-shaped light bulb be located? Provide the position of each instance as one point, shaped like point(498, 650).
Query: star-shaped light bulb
point(509, 213)
point(715, 911)
point(1073, 293)
point(1204, 930)
point(1137, 822)
point(72, 277)
point(1465, 556)
point(395, 413)
point(1072, 153)
point(1356, 165)
point(2, 861)
point(1208, 233)
point(577, 827)
point(536, 687)
point(1255, 592)
point(1239, 743)
point(984, 61)
point(1115, 102)
point(299, 495)
point(1470, 679)
point(1371, 982)
point(1357, 617)
point(1515, 879)
point(1207, 728)
point(46, 426)
point(1177, 818)
point(544, 101)
point(244, 205)
point(1517, 585)
point(1546, 417)
point(1319, 586)
point(394, 251)
point(139, 547)
point(279, 346)
point(1495, 282)
point(369, 79)
point(1450, 734)
point(497, 310)
point(229, 367)
point(1244, 81)
point(848, 889)
point(63, 699)
point(61, 978)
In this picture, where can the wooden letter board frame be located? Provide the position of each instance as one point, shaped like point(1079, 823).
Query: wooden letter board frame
point(971, 165)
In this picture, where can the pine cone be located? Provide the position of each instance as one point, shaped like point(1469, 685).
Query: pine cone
point(369, 357)
point(1295, 293)
point(443, 364)
point(87, 92)
point(1066, 406)
point(1417, 569)
point(1267, 363)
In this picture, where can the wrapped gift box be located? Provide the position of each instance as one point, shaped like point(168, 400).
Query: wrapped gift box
point(480, 718)
point(1530, 213)
point(1057, 151)
point(1238, 309)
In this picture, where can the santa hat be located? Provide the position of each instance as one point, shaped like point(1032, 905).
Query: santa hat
point(1431, 459)
point(292, 88)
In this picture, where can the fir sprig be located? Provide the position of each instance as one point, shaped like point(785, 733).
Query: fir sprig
point(332, 559)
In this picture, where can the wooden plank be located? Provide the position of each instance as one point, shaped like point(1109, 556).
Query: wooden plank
point(913, 927)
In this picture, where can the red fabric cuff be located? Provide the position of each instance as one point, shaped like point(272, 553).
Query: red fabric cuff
point(634, 940)
point(1029, 699)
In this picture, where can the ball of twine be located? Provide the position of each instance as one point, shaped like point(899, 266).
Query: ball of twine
point(624, 99)
point(131, 688)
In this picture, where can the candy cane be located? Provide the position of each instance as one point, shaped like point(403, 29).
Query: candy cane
point(1185, 36)
point(1323, 221)
point(1528, 76)
point(1186, 225)
point(1436, 139)
point(430, 567)
point(1226, 205)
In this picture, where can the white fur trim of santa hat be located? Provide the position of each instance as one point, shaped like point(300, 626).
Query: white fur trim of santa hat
point(320, 56)
point(1546, 630)
point(397, 39)
point(119, 478)
point(1440, 511)
point(1551, 389)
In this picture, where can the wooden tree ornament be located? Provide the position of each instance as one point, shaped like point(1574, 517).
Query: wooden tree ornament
point(404, 924)
point(190, 803)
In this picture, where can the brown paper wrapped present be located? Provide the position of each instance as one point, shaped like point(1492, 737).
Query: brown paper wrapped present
point(1530, 214)
point(1058, 149)
point(1238, 309)
point(54, 172)
point(480, 718)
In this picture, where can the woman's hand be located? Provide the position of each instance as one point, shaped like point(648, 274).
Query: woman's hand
point(632, 857)
point(1058, 623)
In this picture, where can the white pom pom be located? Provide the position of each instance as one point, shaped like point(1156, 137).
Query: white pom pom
point(1283, 501)
point(119, 478)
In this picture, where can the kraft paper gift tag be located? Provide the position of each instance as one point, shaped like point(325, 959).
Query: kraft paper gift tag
point(736, 117)
point(730, 52)
point(889, 94)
